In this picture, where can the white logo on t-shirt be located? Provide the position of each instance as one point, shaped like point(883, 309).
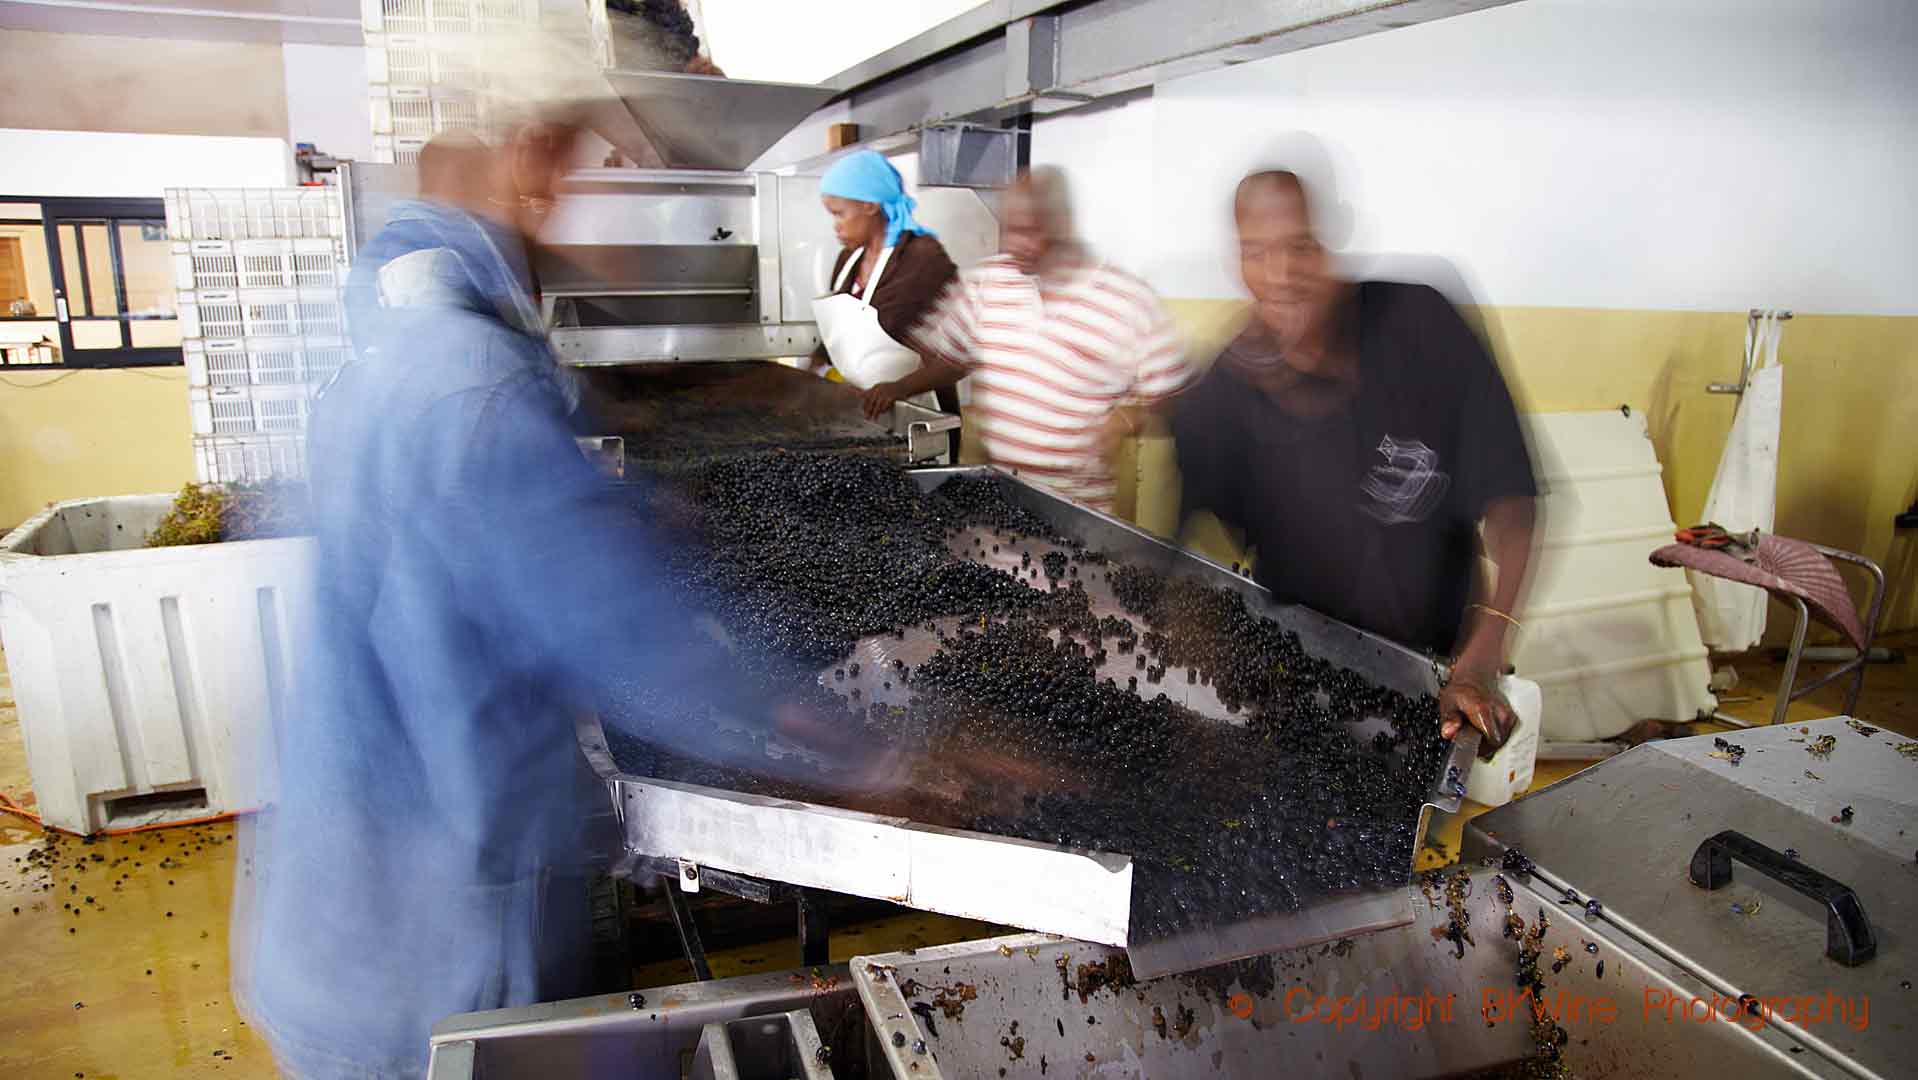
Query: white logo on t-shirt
point(1408, 487)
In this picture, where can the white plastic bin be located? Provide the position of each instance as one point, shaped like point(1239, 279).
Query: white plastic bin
point(270, 313)
point(398, 149)
point(215, 363)
point(146, 679)
point(319, 263)
point(275, 361)
point(254, 213)
point(323, 358)
point(264, 264)
point(249, 459)
point(321, 313)
point(248, 410)
point(211, 316)
point(1609, 638)
point(407, 59)
point(206, 265)
point(463, 16)
point(402, 110)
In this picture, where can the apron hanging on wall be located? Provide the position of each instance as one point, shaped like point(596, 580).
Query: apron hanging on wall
point(1744, 494)
point(864, 354)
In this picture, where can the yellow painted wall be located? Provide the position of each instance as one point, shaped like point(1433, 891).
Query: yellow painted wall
point(78, 433)
point(1848, 459)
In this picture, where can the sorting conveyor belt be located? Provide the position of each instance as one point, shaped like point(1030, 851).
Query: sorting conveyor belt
point(1083, 894)
point(671, 414)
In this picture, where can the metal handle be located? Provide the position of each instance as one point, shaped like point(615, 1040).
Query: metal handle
point(1848, 936)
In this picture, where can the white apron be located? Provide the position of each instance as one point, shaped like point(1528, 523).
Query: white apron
point(1744, 492)
point(849, 327)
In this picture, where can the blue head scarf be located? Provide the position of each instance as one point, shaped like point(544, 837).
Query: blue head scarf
point(868, 177)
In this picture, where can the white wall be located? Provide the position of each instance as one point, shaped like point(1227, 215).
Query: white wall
point(326, 99)
point(809, 41)
point(107, 165)
point(1719, 154)
point(807, 140)
point(1108, 153)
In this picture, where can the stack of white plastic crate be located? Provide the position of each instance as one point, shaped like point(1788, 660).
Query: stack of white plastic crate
point(263, 326)
point(426, 63)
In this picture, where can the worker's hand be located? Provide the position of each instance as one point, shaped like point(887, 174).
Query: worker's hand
point(807, 728)
point(702, 64)
point(879, 400)
point(1474, 698)
point(856, 765)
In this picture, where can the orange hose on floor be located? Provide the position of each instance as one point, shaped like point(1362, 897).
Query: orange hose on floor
point(8, 806)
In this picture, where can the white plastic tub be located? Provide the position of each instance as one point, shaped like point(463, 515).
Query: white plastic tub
point(145, 678)
point(1609, 638)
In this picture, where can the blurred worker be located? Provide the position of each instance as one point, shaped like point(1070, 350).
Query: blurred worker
point(1360, 436)
point(462, 181)
point(475, 584)
point(500, 196)
point(889, 272)
point(1066, 352)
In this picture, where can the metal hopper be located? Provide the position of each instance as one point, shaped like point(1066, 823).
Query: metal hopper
point(702, 121)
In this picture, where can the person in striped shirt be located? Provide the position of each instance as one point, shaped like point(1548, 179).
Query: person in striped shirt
point(1066, 352)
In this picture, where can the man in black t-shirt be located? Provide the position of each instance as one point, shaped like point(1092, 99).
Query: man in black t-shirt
point(1359, 435)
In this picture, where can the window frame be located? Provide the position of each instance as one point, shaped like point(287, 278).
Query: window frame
point(79, 212)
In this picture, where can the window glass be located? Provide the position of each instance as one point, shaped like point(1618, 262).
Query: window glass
point(73, 272)
point(97, 334)
point(146, 267)
point(155, 333)
point(102, 296)
point(26, 281)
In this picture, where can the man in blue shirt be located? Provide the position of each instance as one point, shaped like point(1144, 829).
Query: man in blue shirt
point(476, 584)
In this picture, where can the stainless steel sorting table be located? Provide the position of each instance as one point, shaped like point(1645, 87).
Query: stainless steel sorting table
point(1035, 886)
point(1649, 986)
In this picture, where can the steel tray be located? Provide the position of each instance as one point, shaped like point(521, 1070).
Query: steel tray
point(681, 410)
point(1629, 832)
point(1398, 1003)
point(1035, 886)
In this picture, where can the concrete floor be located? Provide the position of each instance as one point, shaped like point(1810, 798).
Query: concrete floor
point(118, 949)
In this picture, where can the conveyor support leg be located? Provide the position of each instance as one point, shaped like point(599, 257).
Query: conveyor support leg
point(813, 929)
point(688, 930)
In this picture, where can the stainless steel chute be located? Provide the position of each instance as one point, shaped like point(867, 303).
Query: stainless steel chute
point(708, 122)
point(670, 414)
point(697, 261)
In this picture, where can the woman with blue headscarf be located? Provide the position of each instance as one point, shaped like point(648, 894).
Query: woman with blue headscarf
point(889, 272)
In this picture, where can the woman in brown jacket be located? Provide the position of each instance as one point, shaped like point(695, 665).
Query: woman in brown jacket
point(887, 275)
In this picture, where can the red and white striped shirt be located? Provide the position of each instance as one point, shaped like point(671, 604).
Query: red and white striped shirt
point(1050, 359)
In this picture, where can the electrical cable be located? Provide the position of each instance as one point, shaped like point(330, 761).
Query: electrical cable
point(68, 373)
point(61, 377)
